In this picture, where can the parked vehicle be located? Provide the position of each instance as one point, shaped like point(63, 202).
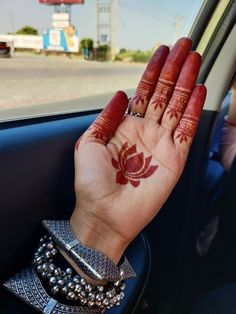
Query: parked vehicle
point(5, 50)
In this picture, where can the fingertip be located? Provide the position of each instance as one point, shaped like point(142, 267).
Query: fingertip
point(184, 41)
point(121, 96)
point(163, 48)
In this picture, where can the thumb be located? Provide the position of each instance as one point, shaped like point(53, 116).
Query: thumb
point(108, 120)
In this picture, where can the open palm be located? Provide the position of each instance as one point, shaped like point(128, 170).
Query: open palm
point(127, 164)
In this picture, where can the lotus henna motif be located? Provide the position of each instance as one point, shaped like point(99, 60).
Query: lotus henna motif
point(132, 166)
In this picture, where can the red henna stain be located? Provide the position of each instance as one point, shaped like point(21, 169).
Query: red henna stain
point(186, 128)
point(103, 127)
point(143, 93)
point(110, 118)
point(132, 166)
point(178, 103)
point(162, 94)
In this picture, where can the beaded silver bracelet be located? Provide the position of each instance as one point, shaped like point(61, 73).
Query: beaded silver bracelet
point(92, 262)
point(69, 284)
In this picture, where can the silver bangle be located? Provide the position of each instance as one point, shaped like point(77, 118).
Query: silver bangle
point(27, 286)
point(92, 262)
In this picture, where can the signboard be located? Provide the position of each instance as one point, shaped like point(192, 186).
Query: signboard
point(24, 41)
point(60, 24)
point(66, 40)
point(61, 20)
point(61, 16)
point(61, 1)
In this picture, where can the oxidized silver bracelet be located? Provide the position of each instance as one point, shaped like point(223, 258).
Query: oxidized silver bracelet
point(70, 284)
point(27, 286)
point(92, 262)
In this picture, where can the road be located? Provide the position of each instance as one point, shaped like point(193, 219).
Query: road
point(29, 80)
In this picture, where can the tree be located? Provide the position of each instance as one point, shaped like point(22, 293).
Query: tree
point(27, 30)
point(86, 43)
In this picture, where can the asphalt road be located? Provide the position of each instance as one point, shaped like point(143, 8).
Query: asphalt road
point(27, 80)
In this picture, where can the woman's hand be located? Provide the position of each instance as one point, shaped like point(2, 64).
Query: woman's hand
point(126, 165)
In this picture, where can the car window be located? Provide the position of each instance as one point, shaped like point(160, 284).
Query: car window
point(54, 56)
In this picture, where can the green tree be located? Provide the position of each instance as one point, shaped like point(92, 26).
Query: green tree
point(86, 43)
point(27, 30)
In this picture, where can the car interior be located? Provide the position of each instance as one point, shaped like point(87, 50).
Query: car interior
point(37, 177)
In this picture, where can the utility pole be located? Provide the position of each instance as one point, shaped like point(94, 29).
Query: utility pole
point(104, 22)
point(115, 28)
point(177, 26)
point(12, 22)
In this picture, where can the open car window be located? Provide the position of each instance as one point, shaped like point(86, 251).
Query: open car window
point(57, 66)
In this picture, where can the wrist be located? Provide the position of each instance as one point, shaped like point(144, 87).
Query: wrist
point(97, 234)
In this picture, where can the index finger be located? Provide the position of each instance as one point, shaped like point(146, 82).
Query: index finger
point(148, 81)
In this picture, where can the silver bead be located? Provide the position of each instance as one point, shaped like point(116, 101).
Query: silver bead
point(40, 249)
point(55, 289)
point(99, 296)
point(91, 296)
point(50, 245)
point(71, 295)
point(78, 288)
point(122, 287)
point(44, 266)
point(48, 254)
point(54, 251)
point(105, 302)
point(122, 295)
point(110, 293)
point(83, 293)
point(71, 285)
point(98, 303)
point(61, 282)
point(83, 302)
point(52, 281)
point(83, 281)
point(49, 275)
point(51, 267)
point(39, 268)
point(57, 271)
point(90, 303)
point(100, 288)
point(64, 290)
point(44, 274)
point(69, 271)
point(88, 288)
point(76, 279)
point(117, 283)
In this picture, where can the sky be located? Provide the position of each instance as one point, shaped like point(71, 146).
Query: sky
point(142, 24)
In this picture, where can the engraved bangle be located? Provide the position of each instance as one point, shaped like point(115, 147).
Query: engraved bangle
point(92, 262)
point(27, 286)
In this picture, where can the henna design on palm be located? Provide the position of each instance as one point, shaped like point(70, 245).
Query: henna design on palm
point(132, 166)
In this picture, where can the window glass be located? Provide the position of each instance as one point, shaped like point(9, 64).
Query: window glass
point(54, 56)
